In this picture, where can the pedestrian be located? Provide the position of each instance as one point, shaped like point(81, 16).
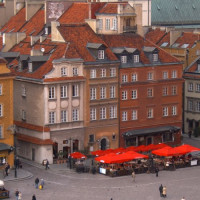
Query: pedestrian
point(156, 170)
point(20, 196)
point(133, 176)
point(7, 167)
point(190, 134)
point(33, 197)
point(164, 191)
point(47, 164)
point(37, 182)
point(42, 183)
point(161, 190)
point(183, 198)
point(16, 194)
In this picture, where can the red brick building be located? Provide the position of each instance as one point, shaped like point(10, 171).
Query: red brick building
point(150, 92)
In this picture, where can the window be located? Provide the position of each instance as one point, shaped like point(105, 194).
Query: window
point(103, 113)
point(91, 138)
point(174, 74)
point(93, 73)
point(75, 91)
point(112, 72)
point(174, 90)
point(92, 93)
point(198, 106)
point(100, 54)
point(174, 110)
point(136, 58)
point(165, 75)
point(150, 76)
point(165, 91)
point(134, 94)
point(168, 137)
point(1, 110)
point(63, 71)
point(112, 92)
point(198, 67)
point(165, 111)
point(107, 24)
point(134, 115)
point(30, 67)
point(23, 115)
point(52, 92)
point(197, 87)
point(1, 89)
point(150, 113)
point(124, 116)
point(23, 91)
point(75, 71)
point(52, 117)
point(4, 39)
point(103, 73)
point(114, 24)
point(100, 24)
point(149, 92)
point(103, 93)
point(184, 46)
point(92, 114)
point(190, 105)
point(175, 45)
point(63, 91)
point(124, 78)
point(46, 30)
point(75, 115)
point(134, 77)
point(124, 95)
point(190, 87)
point(123, 59)
point(113, 112)
point(155, 57)
point(63, 116)
point(164, 44)
point(1, 131)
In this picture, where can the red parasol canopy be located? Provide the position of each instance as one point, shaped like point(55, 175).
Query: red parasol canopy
point(77, 155)
point(130, 148)
point(166, 151)
point(186, 148)
point(140, 148)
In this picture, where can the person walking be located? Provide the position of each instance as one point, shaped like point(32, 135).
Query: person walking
point(164, 192)
point(37, 182)
point(7, 169)
point(133, 176)
point(42, 183)
point(156, 171)
point(33, 197)
point(20, 196)
point(47, 164)
point(16, 194)
point(161, 190)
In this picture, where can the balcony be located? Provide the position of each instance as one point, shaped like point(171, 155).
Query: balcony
point(132, 29)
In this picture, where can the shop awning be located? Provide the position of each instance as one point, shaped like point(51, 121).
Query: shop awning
point(4, 147)
point(147, 131)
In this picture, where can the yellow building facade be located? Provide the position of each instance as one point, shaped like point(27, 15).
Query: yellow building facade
point(6, 114)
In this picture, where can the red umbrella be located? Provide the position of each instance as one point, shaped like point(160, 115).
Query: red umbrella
point(166, 151)
point(119, 150)
point(97, 153)
point(160, 146)
point(130, 148)
point(105, 158)
point(140, 148)
point(186, 148)
point(149, 147)
point(77, 155)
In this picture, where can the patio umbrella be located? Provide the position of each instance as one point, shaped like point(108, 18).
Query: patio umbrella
point(97, 153)
point(77, 155)
point(130, 148)
point(166, 151)
point(186, 148)
point(140, 148)
point(105, 158)
point(149, 147)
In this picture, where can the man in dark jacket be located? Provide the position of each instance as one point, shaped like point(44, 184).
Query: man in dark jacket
point(33, 197)
point(156, 171)
point(37, 182)
point(161, 190)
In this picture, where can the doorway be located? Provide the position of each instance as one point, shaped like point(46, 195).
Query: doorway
point(55, 150)
point(149, 140)
point(103, 144)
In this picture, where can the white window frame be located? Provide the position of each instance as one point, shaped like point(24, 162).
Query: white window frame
point(75, 71)
point(103, 93)
point(101, 54)
point(150, 76)
point(174, 110)
point(134, 115)
point(107, 27)
point(1, 89)
point(1, 110)
point(123, 59)
point(190, 87)
point(197, 106)
point(23, 91)
point(165, 91)
point(100, 23)
point(103, 72)
point(103, 113)
point(63, 91)
point(124, 116)
point(113, 112)
point(124, 95)
point(197, 87)
point(114, 24)
point(174, 73)
point(133, 77)
point(124, 78)
point(93, 113)
point(165, 111)
point(174, 90)
point(30, 67)
point(52, 92)
point(63, 116)
point(63, 71)
point(93, 93)
point(75, 90)
point(134, 94)
point(1, 131)
point(93, 73)
point(165, 75)
point(136, 58)
point(149, 113)
point(75, 114)
point(155, 57)
point(112, 92)
point(149, 92)
point(23, 115)
point(190, 105)
point(52, 117)
point(112, 72)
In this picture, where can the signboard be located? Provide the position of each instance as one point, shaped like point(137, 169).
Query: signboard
point(102, 170)
point(193, 162)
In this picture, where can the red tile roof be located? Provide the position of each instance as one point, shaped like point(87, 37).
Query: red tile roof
point(15, 22)
point(81, 34)
point(33, 140)
point(35, 24)
point(78, 12)
point(138, 42)
point(111, 8)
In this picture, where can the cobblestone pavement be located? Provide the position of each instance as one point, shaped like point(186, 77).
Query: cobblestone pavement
point(63, 183)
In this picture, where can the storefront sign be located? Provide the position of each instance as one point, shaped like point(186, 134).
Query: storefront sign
point(102, 170)
point(193, 162)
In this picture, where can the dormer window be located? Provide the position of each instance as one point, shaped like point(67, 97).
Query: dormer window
point(4, 39)
point(30, 67)
point(136, 58)
point(198, 65)
point(123, 59)
point(155, 57)
point(20, 66)
point(46, 31)
point(63, 71)
point(100, 54)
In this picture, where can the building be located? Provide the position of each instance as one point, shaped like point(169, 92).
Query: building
point(150, 91)
point(191, 96)
point(6, 114)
